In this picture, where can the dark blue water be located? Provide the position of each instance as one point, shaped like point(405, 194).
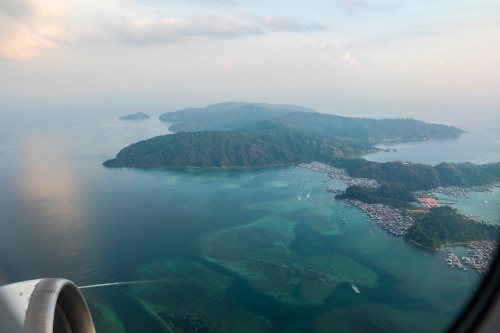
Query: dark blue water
point(233, 250)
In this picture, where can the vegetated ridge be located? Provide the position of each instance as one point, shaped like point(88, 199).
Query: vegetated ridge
point(445, 225)
point(287, 136)
point(416, 176)
point(368, 129)
point(226, 116)
point(236, 115)
point(263, 144)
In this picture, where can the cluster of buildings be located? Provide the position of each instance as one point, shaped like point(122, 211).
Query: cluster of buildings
point(453, 261)
point(460, 192)
point(337, 173)
point(486, 188)
point(475, 219)
point(452, 191)
point(388, 218)
point(324, 168)
point(428, 202)
point(480, 255)
point(423, 205)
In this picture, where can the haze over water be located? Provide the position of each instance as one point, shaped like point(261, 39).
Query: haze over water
point(255, 250)
point(479, 145)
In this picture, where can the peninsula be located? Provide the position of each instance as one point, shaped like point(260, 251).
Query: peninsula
point(392, 207)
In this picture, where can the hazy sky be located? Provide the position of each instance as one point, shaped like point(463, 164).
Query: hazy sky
point(362, 56)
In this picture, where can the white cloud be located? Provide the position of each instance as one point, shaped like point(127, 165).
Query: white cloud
point(31, 26)
point(287, 24)
point(219, 25)
point(23, 45)
point(347, 60)
point(142, 31)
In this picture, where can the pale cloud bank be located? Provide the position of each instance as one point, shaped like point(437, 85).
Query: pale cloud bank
point(426, 52)
point(28, 26)
point(218, 25)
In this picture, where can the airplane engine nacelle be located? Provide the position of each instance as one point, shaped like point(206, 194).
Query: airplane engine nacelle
point(44, 306)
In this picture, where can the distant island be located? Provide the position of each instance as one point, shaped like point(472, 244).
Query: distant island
point(136, 116)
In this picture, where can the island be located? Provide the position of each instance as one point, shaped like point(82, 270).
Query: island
point(136, 116)
point(238, 134)
point(242, 135)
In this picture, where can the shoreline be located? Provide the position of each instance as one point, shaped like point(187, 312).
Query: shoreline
point(481, 253)
point(423, 246)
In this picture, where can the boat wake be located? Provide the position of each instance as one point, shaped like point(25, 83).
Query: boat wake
point(355, 288)
point(299, 197)
point(122, 283)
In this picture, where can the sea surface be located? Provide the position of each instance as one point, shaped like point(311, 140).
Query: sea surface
point(218, 250)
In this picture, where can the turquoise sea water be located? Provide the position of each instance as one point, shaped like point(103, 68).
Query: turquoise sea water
point(254, 250)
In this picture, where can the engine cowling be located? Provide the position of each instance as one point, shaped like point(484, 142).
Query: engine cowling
point(44, 306)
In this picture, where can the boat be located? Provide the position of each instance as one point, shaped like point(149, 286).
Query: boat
point(355, 288)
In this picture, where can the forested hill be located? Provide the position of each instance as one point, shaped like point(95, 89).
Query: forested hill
point(445, 225)
point(274, 134)
point(227, 116)
point(367, 129)
point(417, 176)
point(264, 145)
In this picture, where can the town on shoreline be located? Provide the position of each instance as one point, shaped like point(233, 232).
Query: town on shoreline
point(480, 254)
